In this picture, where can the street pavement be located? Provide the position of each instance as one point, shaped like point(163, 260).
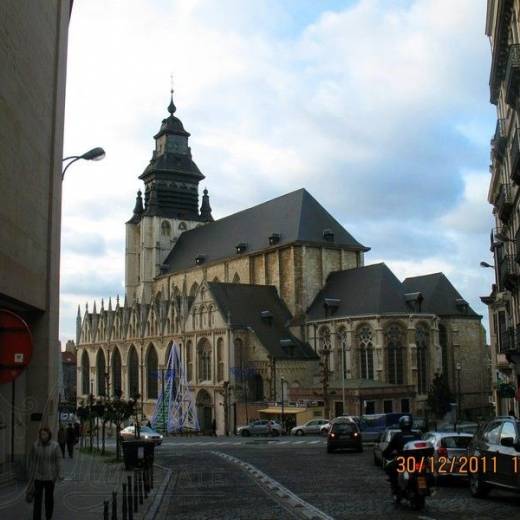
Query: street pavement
point(293, 477)
point(87, 484)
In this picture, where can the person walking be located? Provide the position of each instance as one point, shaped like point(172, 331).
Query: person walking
point(71, 439)
point(214, 427)
point(45, 467)
point(62, 440)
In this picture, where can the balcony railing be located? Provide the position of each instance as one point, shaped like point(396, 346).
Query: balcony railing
point(508, 340)
point(517, 246)
point(504, 203)
point(509, 276)
point(499, 140)
point(512, 79)
point(515, 157)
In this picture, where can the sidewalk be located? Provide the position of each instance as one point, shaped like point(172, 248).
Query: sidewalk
point(88, 482)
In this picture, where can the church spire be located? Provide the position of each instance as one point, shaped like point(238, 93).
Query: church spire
point(171, 107)
point(205, 208)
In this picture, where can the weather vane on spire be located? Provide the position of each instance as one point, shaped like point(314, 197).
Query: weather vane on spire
point(171, 107)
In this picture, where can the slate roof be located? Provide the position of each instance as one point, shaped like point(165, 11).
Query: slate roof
point(373, 289)
point(440, 297)
point(244, 303)
point(296, 216)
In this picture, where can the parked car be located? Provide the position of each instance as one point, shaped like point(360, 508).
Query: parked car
point(495, 450)
point(260, 427)
point(344, 434)
point(447, 447)
point(383, 442)
point(324, 428)
point(145, 433)
point(310, 427)
point(462, 427)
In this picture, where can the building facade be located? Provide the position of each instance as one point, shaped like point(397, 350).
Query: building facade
point(32, 100)
point(264, 304)
point(503, 30)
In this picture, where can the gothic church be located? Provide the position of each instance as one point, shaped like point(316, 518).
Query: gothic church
point(273, 302)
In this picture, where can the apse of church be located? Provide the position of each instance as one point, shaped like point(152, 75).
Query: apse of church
point(260, 297)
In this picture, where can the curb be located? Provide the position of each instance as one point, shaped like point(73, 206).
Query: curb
point(153, 510)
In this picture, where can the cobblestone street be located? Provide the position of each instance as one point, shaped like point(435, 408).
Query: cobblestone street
point(340, 485)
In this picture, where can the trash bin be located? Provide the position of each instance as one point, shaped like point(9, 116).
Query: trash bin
point(138, 454)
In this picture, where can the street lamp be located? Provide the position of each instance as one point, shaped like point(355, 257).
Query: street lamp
point(458, 367)
point(283, 381)
point(485, 264)
point(96, 154)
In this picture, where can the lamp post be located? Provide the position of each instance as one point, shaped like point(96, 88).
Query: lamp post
point(283, 381)
point(458, 367)
point(96, 154)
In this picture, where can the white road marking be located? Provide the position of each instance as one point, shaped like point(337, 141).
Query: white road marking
point(277, 491)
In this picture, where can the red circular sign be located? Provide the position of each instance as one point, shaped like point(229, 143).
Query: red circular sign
point(15, 346)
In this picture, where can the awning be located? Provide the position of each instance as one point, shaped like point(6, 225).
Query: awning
point(278, 410)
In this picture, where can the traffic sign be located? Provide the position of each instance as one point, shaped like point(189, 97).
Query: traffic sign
point(16, 346)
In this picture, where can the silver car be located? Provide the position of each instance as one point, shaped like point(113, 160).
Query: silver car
point(309, 428)
point(260, 427)
point(449, 447)
point(383, 441)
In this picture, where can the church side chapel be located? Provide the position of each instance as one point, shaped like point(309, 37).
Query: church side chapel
point(272, 303)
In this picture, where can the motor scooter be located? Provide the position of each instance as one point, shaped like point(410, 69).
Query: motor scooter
point(414, 476)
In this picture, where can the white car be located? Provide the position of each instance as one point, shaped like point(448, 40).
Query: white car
point(261, 427)
point(310, 427)
point(145, 433)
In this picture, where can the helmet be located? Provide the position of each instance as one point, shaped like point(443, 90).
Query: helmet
point(405, 422)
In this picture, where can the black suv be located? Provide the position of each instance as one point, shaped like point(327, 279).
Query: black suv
point(494, 456)
point(344, 434)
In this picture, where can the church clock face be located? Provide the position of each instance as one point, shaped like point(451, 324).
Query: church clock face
point(176, 144)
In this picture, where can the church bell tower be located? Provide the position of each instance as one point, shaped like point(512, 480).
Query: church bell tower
point(170, 206)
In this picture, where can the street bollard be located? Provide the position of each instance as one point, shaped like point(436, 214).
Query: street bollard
point(140, 485)
point(124, 511)
point(146, 488)
point(130, 500)
point(114, 505)
point(136, 496)
point(105, 510)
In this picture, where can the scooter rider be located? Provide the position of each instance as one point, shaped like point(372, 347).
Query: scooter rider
point(395, 448)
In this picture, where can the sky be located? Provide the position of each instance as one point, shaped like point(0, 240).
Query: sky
point(379, 108)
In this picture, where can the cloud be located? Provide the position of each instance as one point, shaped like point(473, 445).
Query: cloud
point(379, 108)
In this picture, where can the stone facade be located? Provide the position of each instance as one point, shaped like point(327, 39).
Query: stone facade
point(33, 47)
point(503, 30)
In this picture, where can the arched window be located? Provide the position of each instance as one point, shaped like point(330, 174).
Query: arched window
point(194, 318)
point(116, 373)
point(422, 342)
point(395, 341)
point(204, 360)
point(101, 372)
point(443, 340)
point(133, 372)
point(325, 345)
point(166, 229)
point(236, 278)
point(85, 374)
point(341, 353)
point(152, 379)
point(365, 338)
point(189, 360)
point(220, 359)
point(183, 226)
